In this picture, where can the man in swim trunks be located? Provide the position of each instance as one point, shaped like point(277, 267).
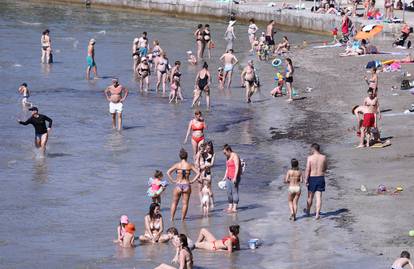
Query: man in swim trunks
point(229, 61)
point(41, 131)
point(369, 110)
point(248, 77)
point(90, 59)
point(364, 124)
point(143, 45)
point(315, 178)
point(270, 41)
point(116, 95)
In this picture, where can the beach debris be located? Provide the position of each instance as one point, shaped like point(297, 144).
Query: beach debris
point(363, 188)
point(253, 243)
point(398, 189)
point(308, 89)
point(222, 184)
point(382, 188)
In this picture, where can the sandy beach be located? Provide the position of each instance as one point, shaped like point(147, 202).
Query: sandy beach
point(357, 229)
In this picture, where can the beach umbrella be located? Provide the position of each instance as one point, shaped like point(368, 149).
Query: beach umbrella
point(369, 31)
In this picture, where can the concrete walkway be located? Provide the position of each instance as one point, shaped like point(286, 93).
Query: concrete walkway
point(258, 9)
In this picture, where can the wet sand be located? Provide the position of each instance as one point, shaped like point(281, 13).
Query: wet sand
point(73, 197)
point(358, 229)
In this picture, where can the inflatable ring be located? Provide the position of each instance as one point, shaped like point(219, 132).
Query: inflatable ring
point(276, 62)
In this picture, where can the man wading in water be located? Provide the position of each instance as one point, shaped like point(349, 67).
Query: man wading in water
point(39, 123)
point(315, 179)
point(116, 95)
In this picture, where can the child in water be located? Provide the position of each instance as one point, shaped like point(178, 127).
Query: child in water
point(157, 187)
point(121, 229)
point(129, 237)
point(24, 91)
point(277, 91)
point(402, 261)
point(191, 58)
point(206, 198)
point(294, 178)
point(220, 77)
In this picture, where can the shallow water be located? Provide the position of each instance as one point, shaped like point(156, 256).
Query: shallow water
point(62, 211)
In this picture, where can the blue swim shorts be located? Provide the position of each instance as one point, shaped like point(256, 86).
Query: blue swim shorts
point(316, 184)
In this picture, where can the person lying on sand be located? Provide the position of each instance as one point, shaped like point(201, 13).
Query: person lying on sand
point(360, 49)
point(208, 241)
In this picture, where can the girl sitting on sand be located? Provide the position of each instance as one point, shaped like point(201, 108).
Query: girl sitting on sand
point(293, 178)
point(121, 229)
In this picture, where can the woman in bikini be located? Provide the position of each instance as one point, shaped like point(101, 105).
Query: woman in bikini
point(161, 66)
point(185, 257)
point(197, 126)
point(143, 71)
point(289, 78)
point(199, 40)
point(202, 84)
point(206, 40)
point(373, 81)
point(175, 75)
point(293, 178)
point(206, 240)
point(46, 47)
point(183, 183)
point(283, 47)
point(154, 226)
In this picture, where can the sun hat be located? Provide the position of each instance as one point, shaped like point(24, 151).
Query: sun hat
point(130, 228)
point(124, 219)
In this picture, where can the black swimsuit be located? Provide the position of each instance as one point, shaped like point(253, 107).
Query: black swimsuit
point(202, 82)
point(142, 70)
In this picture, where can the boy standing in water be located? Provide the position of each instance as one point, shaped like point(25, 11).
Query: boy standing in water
point(90, 59)
point(294, 178)
point(402, 261)
point(24, 91)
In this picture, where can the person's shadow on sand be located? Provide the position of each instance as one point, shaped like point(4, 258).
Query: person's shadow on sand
point(325, 214)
